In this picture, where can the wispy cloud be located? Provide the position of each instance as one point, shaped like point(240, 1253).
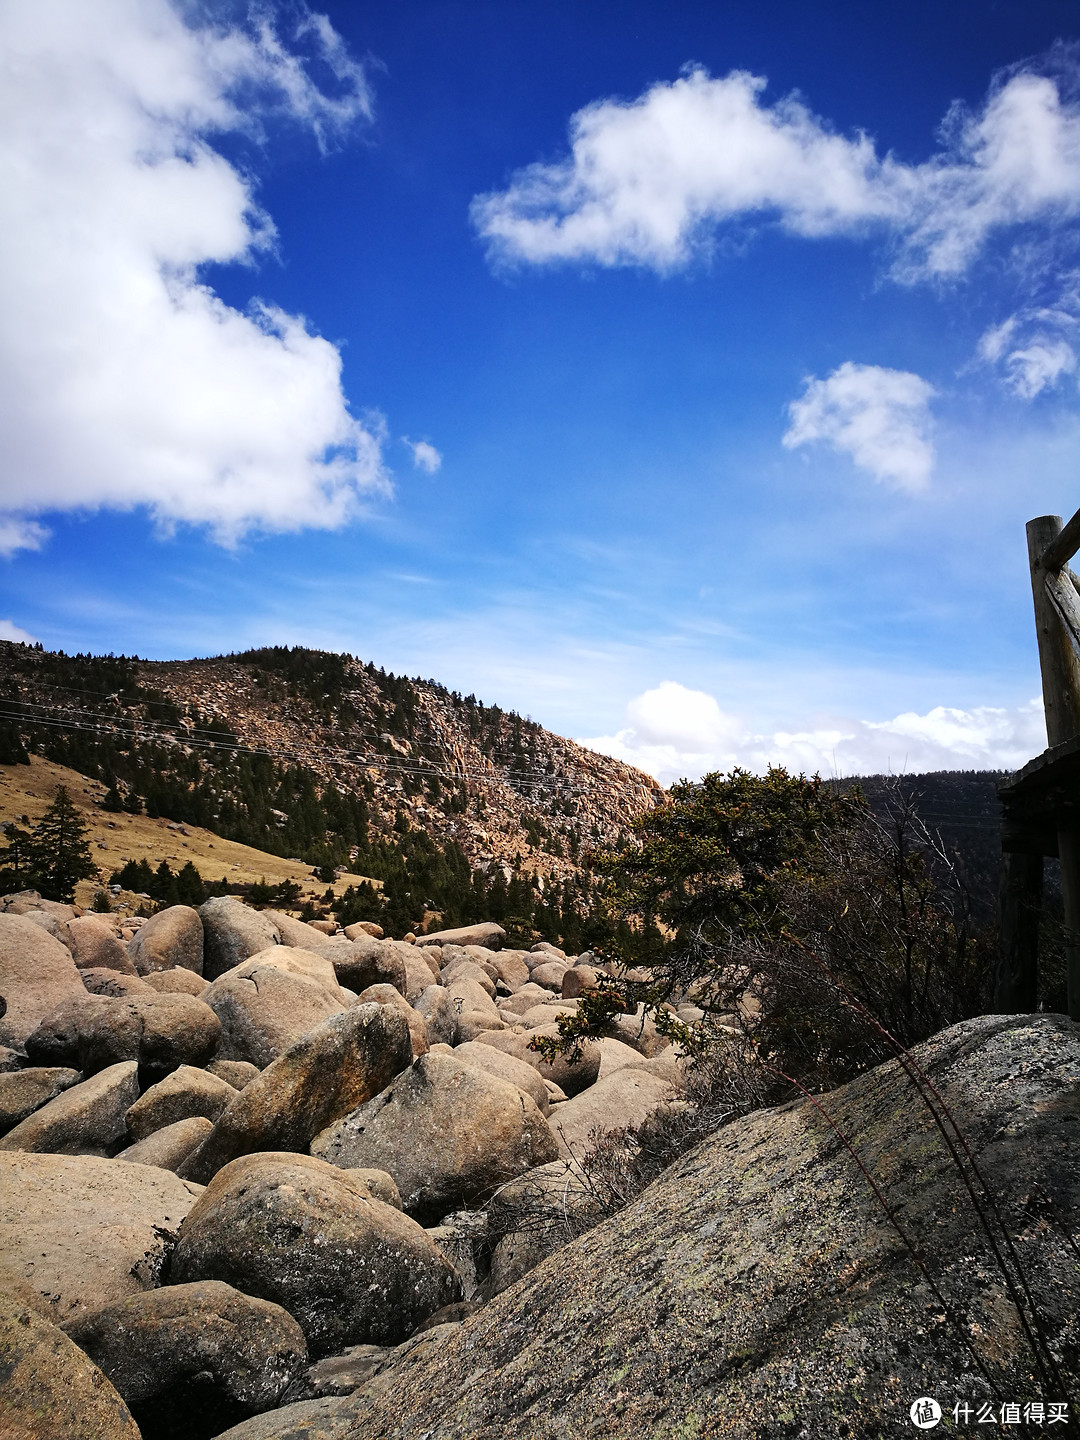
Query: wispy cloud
point(880, 417)
point(424, 456)
point(673, 732)
point(17, 534)
point(649, 181)
point(124, 380)
point(1035, 348)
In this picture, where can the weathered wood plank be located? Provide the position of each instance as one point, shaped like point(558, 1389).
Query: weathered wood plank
point(1060, 549)
point(1066, 602)
point(1059, 665)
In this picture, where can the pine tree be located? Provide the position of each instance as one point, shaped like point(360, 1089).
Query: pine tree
point(12, 749)
point(16, 872)
point(189, 886)
point(59, 854)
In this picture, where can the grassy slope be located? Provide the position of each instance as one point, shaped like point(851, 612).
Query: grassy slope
point(114, 839)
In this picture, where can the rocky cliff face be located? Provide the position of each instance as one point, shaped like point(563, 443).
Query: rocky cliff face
point(499, 784)
point(512, 795)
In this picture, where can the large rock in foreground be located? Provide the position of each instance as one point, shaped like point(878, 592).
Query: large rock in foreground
point(267, 1003)
point(86, 1119)
point(621, 1101)
point(334, 1068)
point(365, 961)
point(757, 1289)
point(50, 1388)
point(36, 974)
point(448, 1133)
point(571, 1076)
point(311, 1238)
point(184, 1093)
point(77, 1232)
point(190, 1360)
point(94, 946)
point(170, 1146)
point(24, 1091)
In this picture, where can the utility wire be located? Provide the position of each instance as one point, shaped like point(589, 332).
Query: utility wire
point(199, 738)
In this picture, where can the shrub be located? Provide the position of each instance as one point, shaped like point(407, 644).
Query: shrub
point(804, 923)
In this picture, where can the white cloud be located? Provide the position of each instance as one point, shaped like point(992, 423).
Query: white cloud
point(673, 733)
point(124, 380)
point(20, 534)
point(10, 631)
point(880, 417)
point(1035, 347)
point(647, 181)
point(1039, 365)
point(425, 456)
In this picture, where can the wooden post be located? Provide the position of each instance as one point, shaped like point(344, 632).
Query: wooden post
point(1016, 987)
point(1059, 665)
point(1060, 669)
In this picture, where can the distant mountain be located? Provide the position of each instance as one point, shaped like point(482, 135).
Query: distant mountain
point(961, 806)
point(459, 807)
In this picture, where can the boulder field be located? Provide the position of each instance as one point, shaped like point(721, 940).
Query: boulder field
point(284, 1209)
point(245, 1163)
point(758, 1289)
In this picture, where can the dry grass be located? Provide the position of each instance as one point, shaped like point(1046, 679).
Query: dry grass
point(115, 839)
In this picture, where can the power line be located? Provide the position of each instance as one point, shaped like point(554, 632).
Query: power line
point(199, 738)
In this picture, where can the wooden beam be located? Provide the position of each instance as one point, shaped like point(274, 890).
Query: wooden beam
point(1049, 546)
point(1069, 851)
point(1060, 550)
point(1066, 601)
point(1016, 986)
point(1059, 665)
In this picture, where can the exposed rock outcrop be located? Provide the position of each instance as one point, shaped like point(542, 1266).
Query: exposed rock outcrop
point(37, 973)
point(78, 1232)
point(757, 1289)
point(190, 1360)
point(50, 1388)
point(160, 1032)
point(171, 939)
point(232, 933)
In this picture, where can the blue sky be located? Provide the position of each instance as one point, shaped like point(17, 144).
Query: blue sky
point(681, 376)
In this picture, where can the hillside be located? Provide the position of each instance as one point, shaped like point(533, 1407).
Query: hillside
point(26, 791)
point(310, 759)
point(459, 807)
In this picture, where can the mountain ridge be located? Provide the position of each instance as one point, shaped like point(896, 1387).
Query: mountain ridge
point(458, 807)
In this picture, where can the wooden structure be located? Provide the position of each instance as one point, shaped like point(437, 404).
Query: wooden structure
point(1041, 803)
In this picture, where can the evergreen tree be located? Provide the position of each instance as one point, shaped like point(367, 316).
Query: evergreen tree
point(16, 870)
point(189, 886)
point(59, 854)
point(163, 887)
point(12, 749)
point(136, 876)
